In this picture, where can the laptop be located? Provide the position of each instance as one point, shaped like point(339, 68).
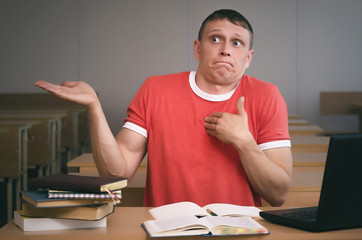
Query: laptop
point(340, 202)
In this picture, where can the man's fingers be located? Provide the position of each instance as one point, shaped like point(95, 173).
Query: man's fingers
point(210, 126)
point(52, 88)
point(47, 86)
point(211, 119)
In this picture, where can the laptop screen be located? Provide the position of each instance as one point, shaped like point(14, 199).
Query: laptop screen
point(340, 203)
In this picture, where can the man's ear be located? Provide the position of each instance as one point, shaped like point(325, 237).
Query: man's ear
point(197, 49)
point(249, 57)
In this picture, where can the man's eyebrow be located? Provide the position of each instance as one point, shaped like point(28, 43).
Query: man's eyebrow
point(220, 30)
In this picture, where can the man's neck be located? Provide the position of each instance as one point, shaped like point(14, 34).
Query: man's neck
point(215, 87)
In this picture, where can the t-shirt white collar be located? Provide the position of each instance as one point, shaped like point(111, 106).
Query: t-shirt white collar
point(207, 96)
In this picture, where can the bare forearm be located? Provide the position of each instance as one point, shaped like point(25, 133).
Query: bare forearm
point(270, 179)
point(106, 153)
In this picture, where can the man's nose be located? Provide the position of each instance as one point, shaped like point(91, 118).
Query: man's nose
point(225, 53)
point(225, 50)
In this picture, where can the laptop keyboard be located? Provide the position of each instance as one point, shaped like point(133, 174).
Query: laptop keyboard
point(307, 215)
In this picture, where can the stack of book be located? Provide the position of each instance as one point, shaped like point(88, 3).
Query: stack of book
point(65, 201)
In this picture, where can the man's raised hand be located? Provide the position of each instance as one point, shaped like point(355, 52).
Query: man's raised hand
point(77, 92)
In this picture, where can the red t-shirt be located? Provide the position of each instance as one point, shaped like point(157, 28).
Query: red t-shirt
point(184, 162)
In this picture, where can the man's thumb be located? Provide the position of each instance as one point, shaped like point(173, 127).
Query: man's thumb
point(240, 105)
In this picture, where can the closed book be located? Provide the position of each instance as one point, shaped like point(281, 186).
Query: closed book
point(40, 199)
point(82, 195)
point(69, 182)
point(80, 212)
point(45, 224)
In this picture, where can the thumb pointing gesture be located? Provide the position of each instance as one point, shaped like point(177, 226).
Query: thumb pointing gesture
point(241, 110)
point(240, 106)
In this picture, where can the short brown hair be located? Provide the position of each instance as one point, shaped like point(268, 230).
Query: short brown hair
point(233, 17)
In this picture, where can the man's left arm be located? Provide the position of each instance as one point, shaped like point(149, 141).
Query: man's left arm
point(269, 171)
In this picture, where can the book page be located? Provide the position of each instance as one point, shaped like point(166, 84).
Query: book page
point(233, 225)
point(223, 209)
point(183, 225)
point(177, 209)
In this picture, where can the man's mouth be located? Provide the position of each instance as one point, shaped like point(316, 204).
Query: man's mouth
point(223, 63)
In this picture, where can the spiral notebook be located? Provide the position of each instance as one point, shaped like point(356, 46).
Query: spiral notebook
point(82, 195)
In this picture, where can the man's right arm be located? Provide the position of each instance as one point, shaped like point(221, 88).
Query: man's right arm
point(118, 156)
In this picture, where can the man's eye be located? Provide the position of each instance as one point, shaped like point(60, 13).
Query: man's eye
point(237, 43)
point(215, 39)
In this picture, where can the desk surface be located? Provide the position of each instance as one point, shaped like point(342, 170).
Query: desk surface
point(4, 130)
point(309, 141)
point(18, 123)
point(125, 224)
point(297, 121)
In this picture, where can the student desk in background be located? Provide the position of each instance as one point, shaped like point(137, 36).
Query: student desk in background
point(76, 136)
point(357, 107)
point(297, 122)
point(304, 130)
point(45, 143)
point(74, 125)
point(84, 164)
point(14, 159)
point(125, 223)
point(306, 180)
point(309, 144)
point(17, 159)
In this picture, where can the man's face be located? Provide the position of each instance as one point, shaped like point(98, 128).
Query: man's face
point(223, 52)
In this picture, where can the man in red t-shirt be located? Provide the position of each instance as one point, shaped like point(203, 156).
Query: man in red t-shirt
point(214, 135)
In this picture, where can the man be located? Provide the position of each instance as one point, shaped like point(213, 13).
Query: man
point(214, 135)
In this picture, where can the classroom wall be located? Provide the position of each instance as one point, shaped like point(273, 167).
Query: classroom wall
point(303, 46)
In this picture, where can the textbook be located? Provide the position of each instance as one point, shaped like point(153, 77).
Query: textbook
point(79, 212)
point(40, 199)
point(81, 195)
point(190, 208)
point(44, 224)
point(189, 225)
point(188, 219)
point(69, 182)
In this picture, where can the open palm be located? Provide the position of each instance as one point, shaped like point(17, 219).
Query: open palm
point(77, 92)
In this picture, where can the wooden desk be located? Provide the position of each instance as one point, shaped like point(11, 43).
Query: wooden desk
point(309, 144)
point(305, 159)
point(86, 166)
point(76, 114)
point(305, 190)
point(297, 122)
point(43, 151)
point(74, 125)
point(357, 108)
point(293, 116)
point(306, 187)
point(12, 168)
point(304, 130)
point(125, 223)
point(14, 162)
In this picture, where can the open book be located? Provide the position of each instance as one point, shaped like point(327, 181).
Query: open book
point(190, 208)
point(187, 219)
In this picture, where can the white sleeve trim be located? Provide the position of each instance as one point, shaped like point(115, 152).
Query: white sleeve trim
point(136, 128)
point(275, 144)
